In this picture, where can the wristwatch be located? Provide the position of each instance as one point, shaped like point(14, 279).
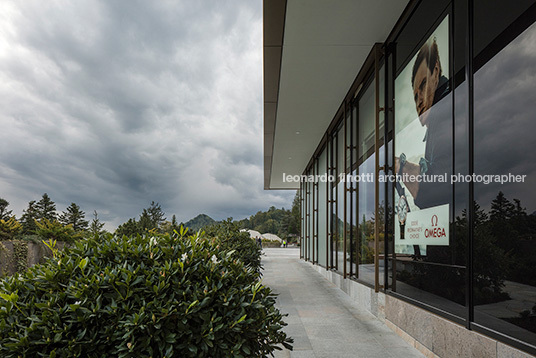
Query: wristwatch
point(402, 206)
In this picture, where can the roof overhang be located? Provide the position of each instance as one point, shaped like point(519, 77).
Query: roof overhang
point(313, 50)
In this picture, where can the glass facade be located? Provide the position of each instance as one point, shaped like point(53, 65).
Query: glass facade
point(366, 188)
point(504, 237)
point(322, 258)
point(447, 108)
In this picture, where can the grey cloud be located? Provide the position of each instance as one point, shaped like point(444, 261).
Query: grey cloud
point(113, 104)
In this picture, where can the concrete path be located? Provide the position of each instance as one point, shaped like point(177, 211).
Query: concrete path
point(323, 320)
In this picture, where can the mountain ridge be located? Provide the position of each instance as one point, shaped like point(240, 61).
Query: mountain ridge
point(199, 222)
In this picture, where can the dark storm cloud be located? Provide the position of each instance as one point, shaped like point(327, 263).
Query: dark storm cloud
point(113, 104)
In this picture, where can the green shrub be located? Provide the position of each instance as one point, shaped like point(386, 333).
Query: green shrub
point(10, 228)
point(229, 237)
point(167, 296)
point(54, 230)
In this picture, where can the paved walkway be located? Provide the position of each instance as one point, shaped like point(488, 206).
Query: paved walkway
point(323, 320)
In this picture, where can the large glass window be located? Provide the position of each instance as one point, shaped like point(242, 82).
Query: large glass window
point(332, 220)
point(335, 188)
point(315, 213)
point(353, 247)
point(310, 216)
point(302, 220)
point(504, 284)
point(428, 259)
point(380, 218)
point(349, 186)
point(366, 186)
point(322, 209)
point(340, 216)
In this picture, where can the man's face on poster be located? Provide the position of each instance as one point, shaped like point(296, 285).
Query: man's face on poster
point(424, 87)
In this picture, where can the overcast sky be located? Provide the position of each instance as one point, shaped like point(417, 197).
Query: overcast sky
point(113, 104)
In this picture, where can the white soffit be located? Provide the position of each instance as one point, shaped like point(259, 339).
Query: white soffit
point(325, 45)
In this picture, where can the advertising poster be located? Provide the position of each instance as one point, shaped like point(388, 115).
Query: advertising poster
point(423, 147)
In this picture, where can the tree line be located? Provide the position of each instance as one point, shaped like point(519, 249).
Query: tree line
point(152, 219)
point(284, 223)
point(42, 218)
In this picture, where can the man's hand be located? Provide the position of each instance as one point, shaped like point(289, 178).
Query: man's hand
point(412, 170)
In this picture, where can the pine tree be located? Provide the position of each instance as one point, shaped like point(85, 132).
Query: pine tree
point(4, 213)
point(174, 224)
point(155, 214)
point(501, 208)
point(501, 223)
point(284, 226)
point(95, 228)
point(146, 223)
point(131, 227)
point(519, 211)
point(294, 224)
point(28, 218)
point(75, 217)
point(46, 209)
point(152, 217)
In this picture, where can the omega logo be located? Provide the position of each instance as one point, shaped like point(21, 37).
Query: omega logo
point(435, 232)
point(435, 216)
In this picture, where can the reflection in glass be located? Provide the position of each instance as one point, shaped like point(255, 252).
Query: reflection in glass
point(302, 220)
point(353, 248)
point(310, 220)
point(429, 268)
point(505, 224)
point(349, 185)
point(337, 213)
point(381, 194)
point(366, 188)
point(314, 235)
point(322, 209)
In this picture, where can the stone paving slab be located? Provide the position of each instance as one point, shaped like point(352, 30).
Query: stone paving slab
point(323, 320)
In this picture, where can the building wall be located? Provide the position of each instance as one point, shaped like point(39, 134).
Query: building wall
point(471, 291)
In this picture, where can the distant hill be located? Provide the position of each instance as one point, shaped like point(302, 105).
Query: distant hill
point(280, 222)
point(199, 222)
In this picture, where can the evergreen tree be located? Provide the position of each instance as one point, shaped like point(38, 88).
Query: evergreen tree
point(155, 214)
point(519, 211)
point(294, 223)
point(502, 228)
point(4, 213)
point(174, 225)
point(96, 226)
point(521, 221)
point(46, 209)
point(152, 217)
point(284, 226)
point(131, 227)
point(491, 264)
point(501, 208)
point(75, 217)
point(28, 218)
point(146, 223)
